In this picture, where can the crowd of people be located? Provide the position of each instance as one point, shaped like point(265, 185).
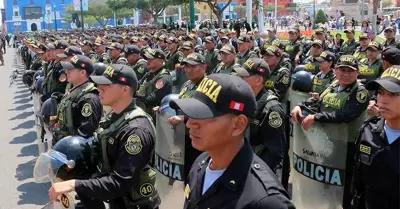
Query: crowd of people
point(235, 91)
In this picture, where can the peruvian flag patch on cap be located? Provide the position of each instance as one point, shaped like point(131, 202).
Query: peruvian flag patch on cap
point(236, 105)
point(123, 79)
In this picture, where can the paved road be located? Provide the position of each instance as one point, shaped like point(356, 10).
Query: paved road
point(18, 150)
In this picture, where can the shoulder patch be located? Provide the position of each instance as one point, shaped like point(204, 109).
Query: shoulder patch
point(133, 145)
point(146, 189)
point(160, 83)
point(274, 119)
point(362, 96)
point(285, 79)
point(365, 149)
point(86, 110)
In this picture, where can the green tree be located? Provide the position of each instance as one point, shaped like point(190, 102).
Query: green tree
point(97, 11)
point(320, 17)
point(215, 8)
point(387, 3)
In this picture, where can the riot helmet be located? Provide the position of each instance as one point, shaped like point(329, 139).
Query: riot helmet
point(38, 74)
point(38, 88)
point(48, 109)
point(302, 81)
point(99, 68)
point(70, 158)
point(165, 110)
point(27, 78)
point(299, 68)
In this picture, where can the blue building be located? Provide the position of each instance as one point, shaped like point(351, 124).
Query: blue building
point(32, 15)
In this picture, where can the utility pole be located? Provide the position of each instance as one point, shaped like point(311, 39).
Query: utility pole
point(314, 14)
point(83, 24)
point(55, 18)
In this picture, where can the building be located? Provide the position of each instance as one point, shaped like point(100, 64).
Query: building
point(32, 15)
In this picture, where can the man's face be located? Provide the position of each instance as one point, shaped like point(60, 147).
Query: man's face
point(346, 75)
point(209, 45)
point(389, 34)
point(73, 75)
point(324, 65)
point(132, 58)
point(114, 53)
point(320, 36)
point(154, 64)
point(171, 46)
point(243, 47)
point(270, 59)
point(316, 50)
point(110, 93)
point(86, 48)
point(372, 53)
point(212, 133)
point(99, 48)
point(186, 52)
point(227, 58)
point(292, 36)
point(194, 72)
point(350, 35)
point(364, 42)
point(388, 104)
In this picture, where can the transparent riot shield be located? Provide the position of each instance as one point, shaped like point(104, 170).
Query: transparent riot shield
point(319, 164)
point(45, 170)
point(37, 104)
point(169, 161)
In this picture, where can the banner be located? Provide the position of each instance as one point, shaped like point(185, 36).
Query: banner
point(77, 5)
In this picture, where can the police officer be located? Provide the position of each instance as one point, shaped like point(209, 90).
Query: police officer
point(361, 51)
point(294, 48)
point(344, 101)
point(279, 81)
point(115, 50)
point(244, 51)
point(79, 111)
point(195, 70)
point(69, 52)
point(211, 54)
point(310, 64)
point(174, 56)
point(326, 76)
point(377, 163)
point(390, 37)
point(87, 48)
point(267, 130)
point(139, 65)
point(349, 46)
point(101, 55)
point(127, 138)
point(156, 83)
point(271, 37)
point(371, 67)
point(228, 174)
point(227, 56)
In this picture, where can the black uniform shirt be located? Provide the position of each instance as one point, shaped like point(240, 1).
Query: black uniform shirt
point(246, 183)
point(125, 159)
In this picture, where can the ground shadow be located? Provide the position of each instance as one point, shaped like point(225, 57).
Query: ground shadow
point(19, 85)
point(25, 170)
point(25, 139)
point(23, 115)
point(22, 95)
point(22, 91)
point(29, 150)
point(23, 101)
point(22, 107)
point(33, 193)
point(25, 125)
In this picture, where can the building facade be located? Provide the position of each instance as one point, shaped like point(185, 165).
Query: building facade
point(33, 15)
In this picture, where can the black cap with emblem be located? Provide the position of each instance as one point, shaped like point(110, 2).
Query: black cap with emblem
point(117, 74)
point(347, 61)
point(131, 49)
point(70, 51)
point(79, 62)
point(60, 44)
point(390, 80)
point(154, 54)
point(194, 59)
point(253, 66)
point(217, 95)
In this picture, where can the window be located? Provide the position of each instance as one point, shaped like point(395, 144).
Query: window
point(62, 2)
point(15, 2)
point(16, 13)
point(32, 12)
point(32, 2)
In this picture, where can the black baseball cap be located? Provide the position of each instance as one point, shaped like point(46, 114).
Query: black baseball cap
point(243, 39)
point(317, 42)
point(171, 40)
point(253, 66)
point(117, 74)
point(347, 30)
point(60, 44)
point(374, 45)
point(347, 61)
point(209, 39)
point(390, 80)
point(154, 54)
point(228, 48)
point(271, 50)
point(194, 59)
point(70, 51)
point(217, 95)
point(392, 55)
point(389, 28)
point(132, 49)
point(325, 56)
point(319, 30)
point(187, 45)
point(79, 62)
point(363, 36)
point(86, 43)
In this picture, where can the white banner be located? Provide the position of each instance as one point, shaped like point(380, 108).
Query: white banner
point(77, 5)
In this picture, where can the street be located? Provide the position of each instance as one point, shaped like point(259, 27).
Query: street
point(17, 145)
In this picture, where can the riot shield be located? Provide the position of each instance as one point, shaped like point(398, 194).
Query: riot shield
point(37, 104)
point(319, 165)
point(169, 162)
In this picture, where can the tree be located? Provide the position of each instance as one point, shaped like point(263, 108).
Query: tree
point(320, 17)
point(215, 8)
point(97, 11)
point(387, 3)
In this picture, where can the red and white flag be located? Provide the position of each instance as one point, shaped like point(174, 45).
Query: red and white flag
point(236, 105)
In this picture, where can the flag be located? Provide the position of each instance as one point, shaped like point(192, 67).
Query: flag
point(236, 105)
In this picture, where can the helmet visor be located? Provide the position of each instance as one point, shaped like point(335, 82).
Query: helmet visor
point(47, 166)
